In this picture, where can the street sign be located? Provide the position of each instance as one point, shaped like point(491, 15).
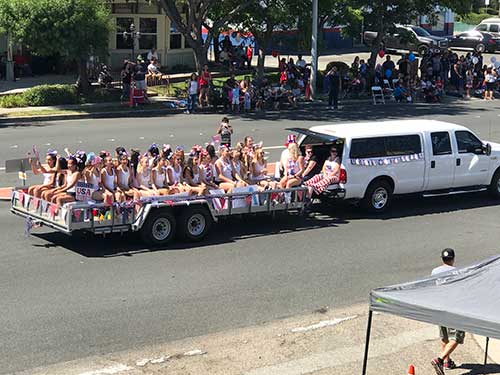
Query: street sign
point(18, 165)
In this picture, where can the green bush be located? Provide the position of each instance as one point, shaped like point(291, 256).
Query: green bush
point(12, 101)
point(475, 18)
point(51, 95)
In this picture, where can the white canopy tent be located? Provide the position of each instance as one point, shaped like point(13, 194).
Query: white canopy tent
point(466, 299)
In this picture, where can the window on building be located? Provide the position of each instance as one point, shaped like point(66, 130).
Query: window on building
point(148, 29)
point(175, 37)
point(123, 24)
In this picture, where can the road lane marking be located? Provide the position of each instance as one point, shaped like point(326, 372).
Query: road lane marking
point(323, 324)
point(343, 356)
point(273, 147)
point(109, 370)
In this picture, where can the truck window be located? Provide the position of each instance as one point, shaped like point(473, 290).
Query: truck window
point(367, 148)
point(403, 145)
point(468, 143)
point(494, 28)
point(441, 144)
point(482, 27)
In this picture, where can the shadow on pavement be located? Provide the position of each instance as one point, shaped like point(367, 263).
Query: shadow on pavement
point(479, 369)
point(226, 231)
point(231, 230)
point(414, 205)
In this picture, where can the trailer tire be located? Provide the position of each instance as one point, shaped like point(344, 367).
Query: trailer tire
point(194, 223)
point(159, 228)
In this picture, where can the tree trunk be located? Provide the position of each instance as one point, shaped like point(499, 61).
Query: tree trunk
point(261, 59)
point(82, 82)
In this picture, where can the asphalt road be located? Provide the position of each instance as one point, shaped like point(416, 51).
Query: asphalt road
point(65, 298)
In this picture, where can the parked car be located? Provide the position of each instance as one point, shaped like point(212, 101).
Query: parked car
point(383, 159)
point(476, 40)
point(409, 38)
point(490, 25)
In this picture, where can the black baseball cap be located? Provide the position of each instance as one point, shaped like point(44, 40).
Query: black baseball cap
point(448, 254)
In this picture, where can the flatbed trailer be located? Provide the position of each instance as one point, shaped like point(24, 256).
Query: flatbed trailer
point(158, 219)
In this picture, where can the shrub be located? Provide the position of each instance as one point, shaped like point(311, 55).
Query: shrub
point(12, 101)
point(51, 95)
point(475, 18)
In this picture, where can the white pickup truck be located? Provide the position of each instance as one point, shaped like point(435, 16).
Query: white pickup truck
point(381, 159)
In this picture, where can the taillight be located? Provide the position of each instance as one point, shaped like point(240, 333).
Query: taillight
point(342, 176)
point(491, 41)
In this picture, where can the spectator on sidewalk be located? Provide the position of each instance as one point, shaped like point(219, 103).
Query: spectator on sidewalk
point(204, 82)
point(152, 55)
point(334, 84)
point(450, 338)
point(192, 93)
point(301, 63)
point(388, 65)
point(140, 76)
point(126, 77)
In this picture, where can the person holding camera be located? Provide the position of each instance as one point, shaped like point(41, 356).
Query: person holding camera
point(334, 85)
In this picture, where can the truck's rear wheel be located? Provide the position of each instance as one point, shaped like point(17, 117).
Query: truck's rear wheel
point(480, 47)
point(194, 223)
point(378, 197)
point(494, 188)
point(159, 228)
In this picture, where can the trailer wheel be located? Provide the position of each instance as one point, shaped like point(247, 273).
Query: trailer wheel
point(194, 223)
point(159, 228)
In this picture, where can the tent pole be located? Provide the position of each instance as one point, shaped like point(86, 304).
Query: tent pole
point(367, 342)
point(486, 355)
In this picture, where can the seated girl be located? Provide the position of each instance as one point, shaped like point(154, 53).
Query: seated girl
point(108, 180)
point(92, 175)
point(67, 192)
point(58, 179)
point(225, 174)
point(294, 167)
point(329, 174)
point(241, 172)
point(191, 175)
point(125, 179)
point(143, 181)
point(159, 176)
point(259, 170)
point(207, 171)
point(47, 170)
point(174, 173)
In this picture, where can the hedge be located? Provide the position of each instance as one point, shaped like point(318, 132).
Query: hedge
point(51, 95)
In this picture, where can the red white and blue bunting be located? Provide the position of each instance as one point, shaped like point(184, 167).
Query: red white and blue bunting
point(391, 160)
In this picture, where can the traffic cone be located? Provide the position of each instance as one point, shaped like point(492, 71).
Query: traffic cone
point(411, 370)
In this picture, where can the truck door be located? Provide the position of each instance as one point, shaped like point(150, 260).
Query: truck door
point(441, 170)
point(471, 162)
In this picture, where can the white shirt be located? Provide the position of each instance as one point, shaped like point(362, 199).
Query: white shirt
point(153, 68)
point(193, 87)
point(441, 269)
point(301, 63)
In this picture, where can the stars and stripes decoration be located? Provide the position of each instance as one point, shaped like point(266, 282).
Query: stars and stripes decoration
point(390, 160)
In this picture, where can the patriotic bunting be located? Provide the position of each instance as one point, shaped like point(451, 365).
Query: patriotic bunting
point(371, 162)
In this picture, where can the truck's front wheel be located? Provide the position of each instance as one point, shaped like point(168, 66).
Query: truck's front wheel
point(494, 188)
point(159, 228)
point(422, 50)
point(378, 196)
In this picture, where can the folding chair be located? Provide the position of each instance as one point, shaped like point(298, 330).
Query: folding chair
point(378, 95)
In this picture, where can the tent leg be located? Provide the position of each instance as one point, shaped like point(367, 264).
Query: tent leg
point(367, 342)
point(486, 355)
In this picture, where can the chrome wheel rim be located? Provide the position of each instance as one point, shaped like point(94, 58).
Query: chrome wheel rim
point(162, 229)
point(196, 224)
point(379, 198)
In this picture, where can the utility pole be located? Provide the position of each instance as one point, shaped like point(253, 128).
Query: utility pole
point(314, 48)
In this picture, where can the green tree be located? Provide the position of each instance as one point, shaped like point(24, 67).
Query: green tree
point(190, 16)
point(74, 29)
point(382, 15)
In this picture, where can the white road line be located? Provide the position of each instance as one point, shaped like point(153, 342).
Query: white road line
point(109, 370)
point(2, 168)
point(343, 356)
point(323, 324)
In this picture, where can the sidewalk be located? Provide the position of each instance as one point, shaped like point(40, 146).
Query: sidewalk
point(320, 343)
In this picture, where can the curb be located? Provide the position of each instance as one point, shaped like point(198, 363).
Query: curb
point(493, 348)
point(114, 114)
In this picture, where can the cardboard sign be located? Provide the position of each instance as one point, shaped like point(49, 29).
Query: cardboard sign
point(245, 201)
point(83, 191)
point(18, 165)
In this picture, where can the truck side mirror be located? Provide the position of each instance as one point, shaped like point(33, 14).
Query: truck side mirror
point(488, 149)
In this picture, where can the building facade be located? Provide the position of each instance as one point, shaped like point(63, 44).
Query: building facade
point(156, 30)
